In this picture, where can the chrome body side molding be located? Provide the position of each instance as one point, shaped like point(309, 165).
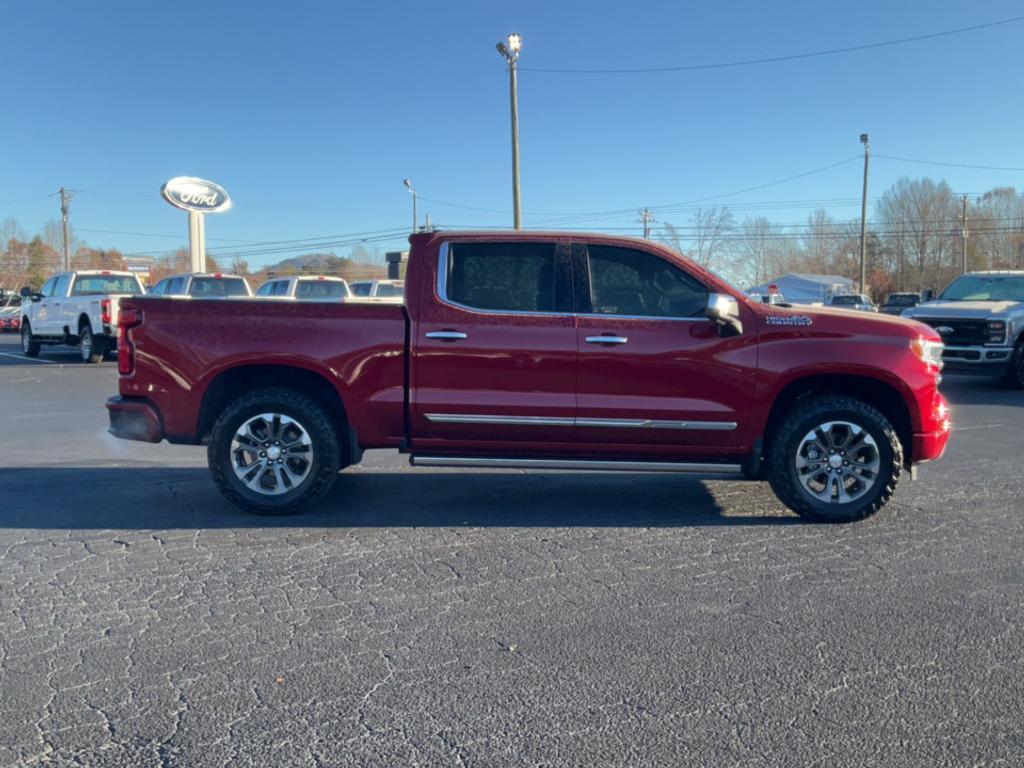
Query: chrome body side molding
point(603, 465)
point(569, 421)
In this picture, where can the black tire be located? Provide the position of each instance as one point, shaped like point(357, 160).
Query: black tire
point(90, 347)
point(1014, 376)
point(29, 346)
point(327, 460)
point(789, 438)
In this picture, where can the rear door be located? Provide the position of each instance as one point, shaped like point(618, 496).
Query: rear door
point(653, 371)
point(494, 346)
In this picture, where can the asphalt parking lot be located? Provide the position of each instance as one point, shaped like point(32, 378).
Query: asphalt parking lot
point(423, 617)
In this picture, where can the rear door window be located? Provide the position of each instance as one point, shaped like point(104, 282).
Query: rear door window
point(280, 288)
point(503, 277)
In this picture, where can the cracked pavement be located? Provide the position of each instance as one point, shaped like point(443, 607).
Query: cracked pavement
point(426, 617)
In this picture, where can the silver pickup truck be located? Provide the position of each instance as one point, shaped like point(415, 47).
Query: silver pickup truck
point(980, 318)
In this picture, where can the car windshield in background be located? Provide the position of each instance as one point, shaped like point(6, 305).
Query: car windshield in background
point(88, 285)
point(320, 289)
point(846, 300)
point(217, 286)
point(985, 288)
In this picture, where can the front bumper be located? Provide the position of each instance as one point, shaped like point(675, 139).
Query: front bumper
point(134, 418)
point(976, 359)
point(929, 446)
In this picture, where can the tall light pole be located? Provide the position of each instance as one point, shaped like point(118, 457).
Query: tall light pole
point(511, 53)
point(963, 234)
point(408, 185)
point(864, 217)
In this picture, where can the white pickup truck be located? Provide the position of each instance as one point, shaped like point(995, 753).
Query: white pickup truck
point(77, 309)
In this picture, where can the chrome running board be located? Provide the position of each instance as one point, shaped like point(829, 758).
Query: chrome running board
point(602, 465)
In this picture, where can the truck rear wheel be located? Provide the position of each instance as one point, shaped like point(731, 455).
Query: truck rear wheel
point(91, 349)
point(274, 451)
point(835, 459)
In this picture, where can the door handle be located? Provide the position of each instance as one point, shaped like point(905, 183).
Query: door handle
point(607, 339)
point(447, 335)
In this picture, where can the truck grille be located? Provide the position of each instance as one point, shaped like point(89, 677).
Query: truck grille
point(966, 333)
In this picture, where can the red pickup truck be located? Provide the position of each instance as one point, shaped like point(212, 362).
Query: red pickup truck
point(541, 351)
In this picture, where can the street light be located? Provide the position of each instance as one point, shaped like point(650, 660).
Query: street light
point(510, 52)
point(408, 185)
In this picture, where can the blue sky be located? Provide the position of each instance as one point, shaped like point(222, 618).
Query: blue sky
point(312, 113)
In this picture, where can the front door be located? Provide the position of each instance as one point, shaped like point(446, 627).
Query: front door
point(49, 315)
point(654, 372)
point(494, 347)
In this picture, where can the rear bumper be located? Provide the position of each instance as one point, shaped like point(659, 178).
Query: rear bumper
point(134, 418)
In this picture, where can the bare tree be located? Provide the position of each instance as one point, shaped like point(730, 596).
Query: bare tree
point(919, 219)
point(711, 227)
point(669, 235)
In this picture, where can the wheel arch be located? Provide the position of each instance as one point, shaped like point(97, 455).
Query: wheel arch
point(876, 392)
point(234, 382)
point(83, 320)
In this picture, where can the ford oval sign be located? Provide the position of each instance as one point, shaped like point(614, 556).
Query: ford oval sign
point(197, 195)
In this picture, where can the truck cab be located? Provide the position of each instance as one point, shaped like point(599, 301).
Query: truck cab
point(306, 288)
point(203, 285)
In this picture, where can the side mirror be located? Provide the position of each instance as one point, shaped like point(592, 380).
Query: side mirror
point(25, 292)
point(725, 311)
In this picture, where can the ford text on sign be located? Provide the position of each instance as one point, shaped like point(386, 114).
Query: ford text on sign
point(192, 194)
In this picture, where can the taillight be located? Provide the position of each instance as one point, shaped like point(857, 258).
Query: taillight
point(128, 319)
point(105, 311)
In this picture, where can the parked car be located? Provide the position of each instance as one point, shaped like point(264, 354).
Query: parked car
point(543, 351)
point(10, 319)
point(78, 309)
point(856, 301)
point(306, 288)
point(202, 285)
point(980, 317)
point(898, 303)
point(392, 290)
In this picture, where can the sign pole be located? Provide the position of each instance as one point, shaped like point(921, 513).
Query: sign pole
point(197, 241)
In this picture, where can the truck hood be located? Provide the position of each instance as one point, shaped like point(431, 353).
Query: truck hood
point(968, 310)
point(841, 321)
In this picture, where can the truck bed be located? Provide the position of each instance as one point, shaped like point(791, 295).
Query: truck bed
point(183, 346)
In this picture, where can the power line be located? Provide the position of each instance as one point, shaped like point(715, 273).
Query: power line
point(775, 59)
point(949, 165)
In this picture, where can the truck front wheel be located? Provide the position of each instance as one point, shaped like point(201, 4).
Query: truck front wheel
point(835, 459)
point(1014, 376)
point(29, 346)
point(274, 451)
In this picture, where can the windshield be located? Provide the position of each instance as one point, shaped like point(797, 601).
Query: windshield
point(90, 285)
point(902, 299)
point(218, 286)
point(985, 288)
point(846, 300)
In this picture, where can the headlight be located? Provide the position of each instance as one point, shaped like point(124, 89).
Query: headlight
point(928, 351)
point(995, 332)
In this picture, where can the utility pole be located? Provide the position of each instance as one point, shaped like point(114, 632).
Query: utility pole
point(66, 196)
point(511, 54)
point(864, 218)
point(647, 216)
point(963, 234)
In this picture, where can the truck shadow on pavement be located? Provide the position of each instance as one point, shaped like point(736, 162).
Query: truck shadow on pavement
point(161, 498)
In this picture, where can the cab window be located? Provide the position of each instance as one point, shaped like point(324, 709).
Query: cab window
point(47, 289)
point(280, 288)
point(176, 287)
point(625, 281)
point(361, 289)
point(265, 289)
point(509, 277)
